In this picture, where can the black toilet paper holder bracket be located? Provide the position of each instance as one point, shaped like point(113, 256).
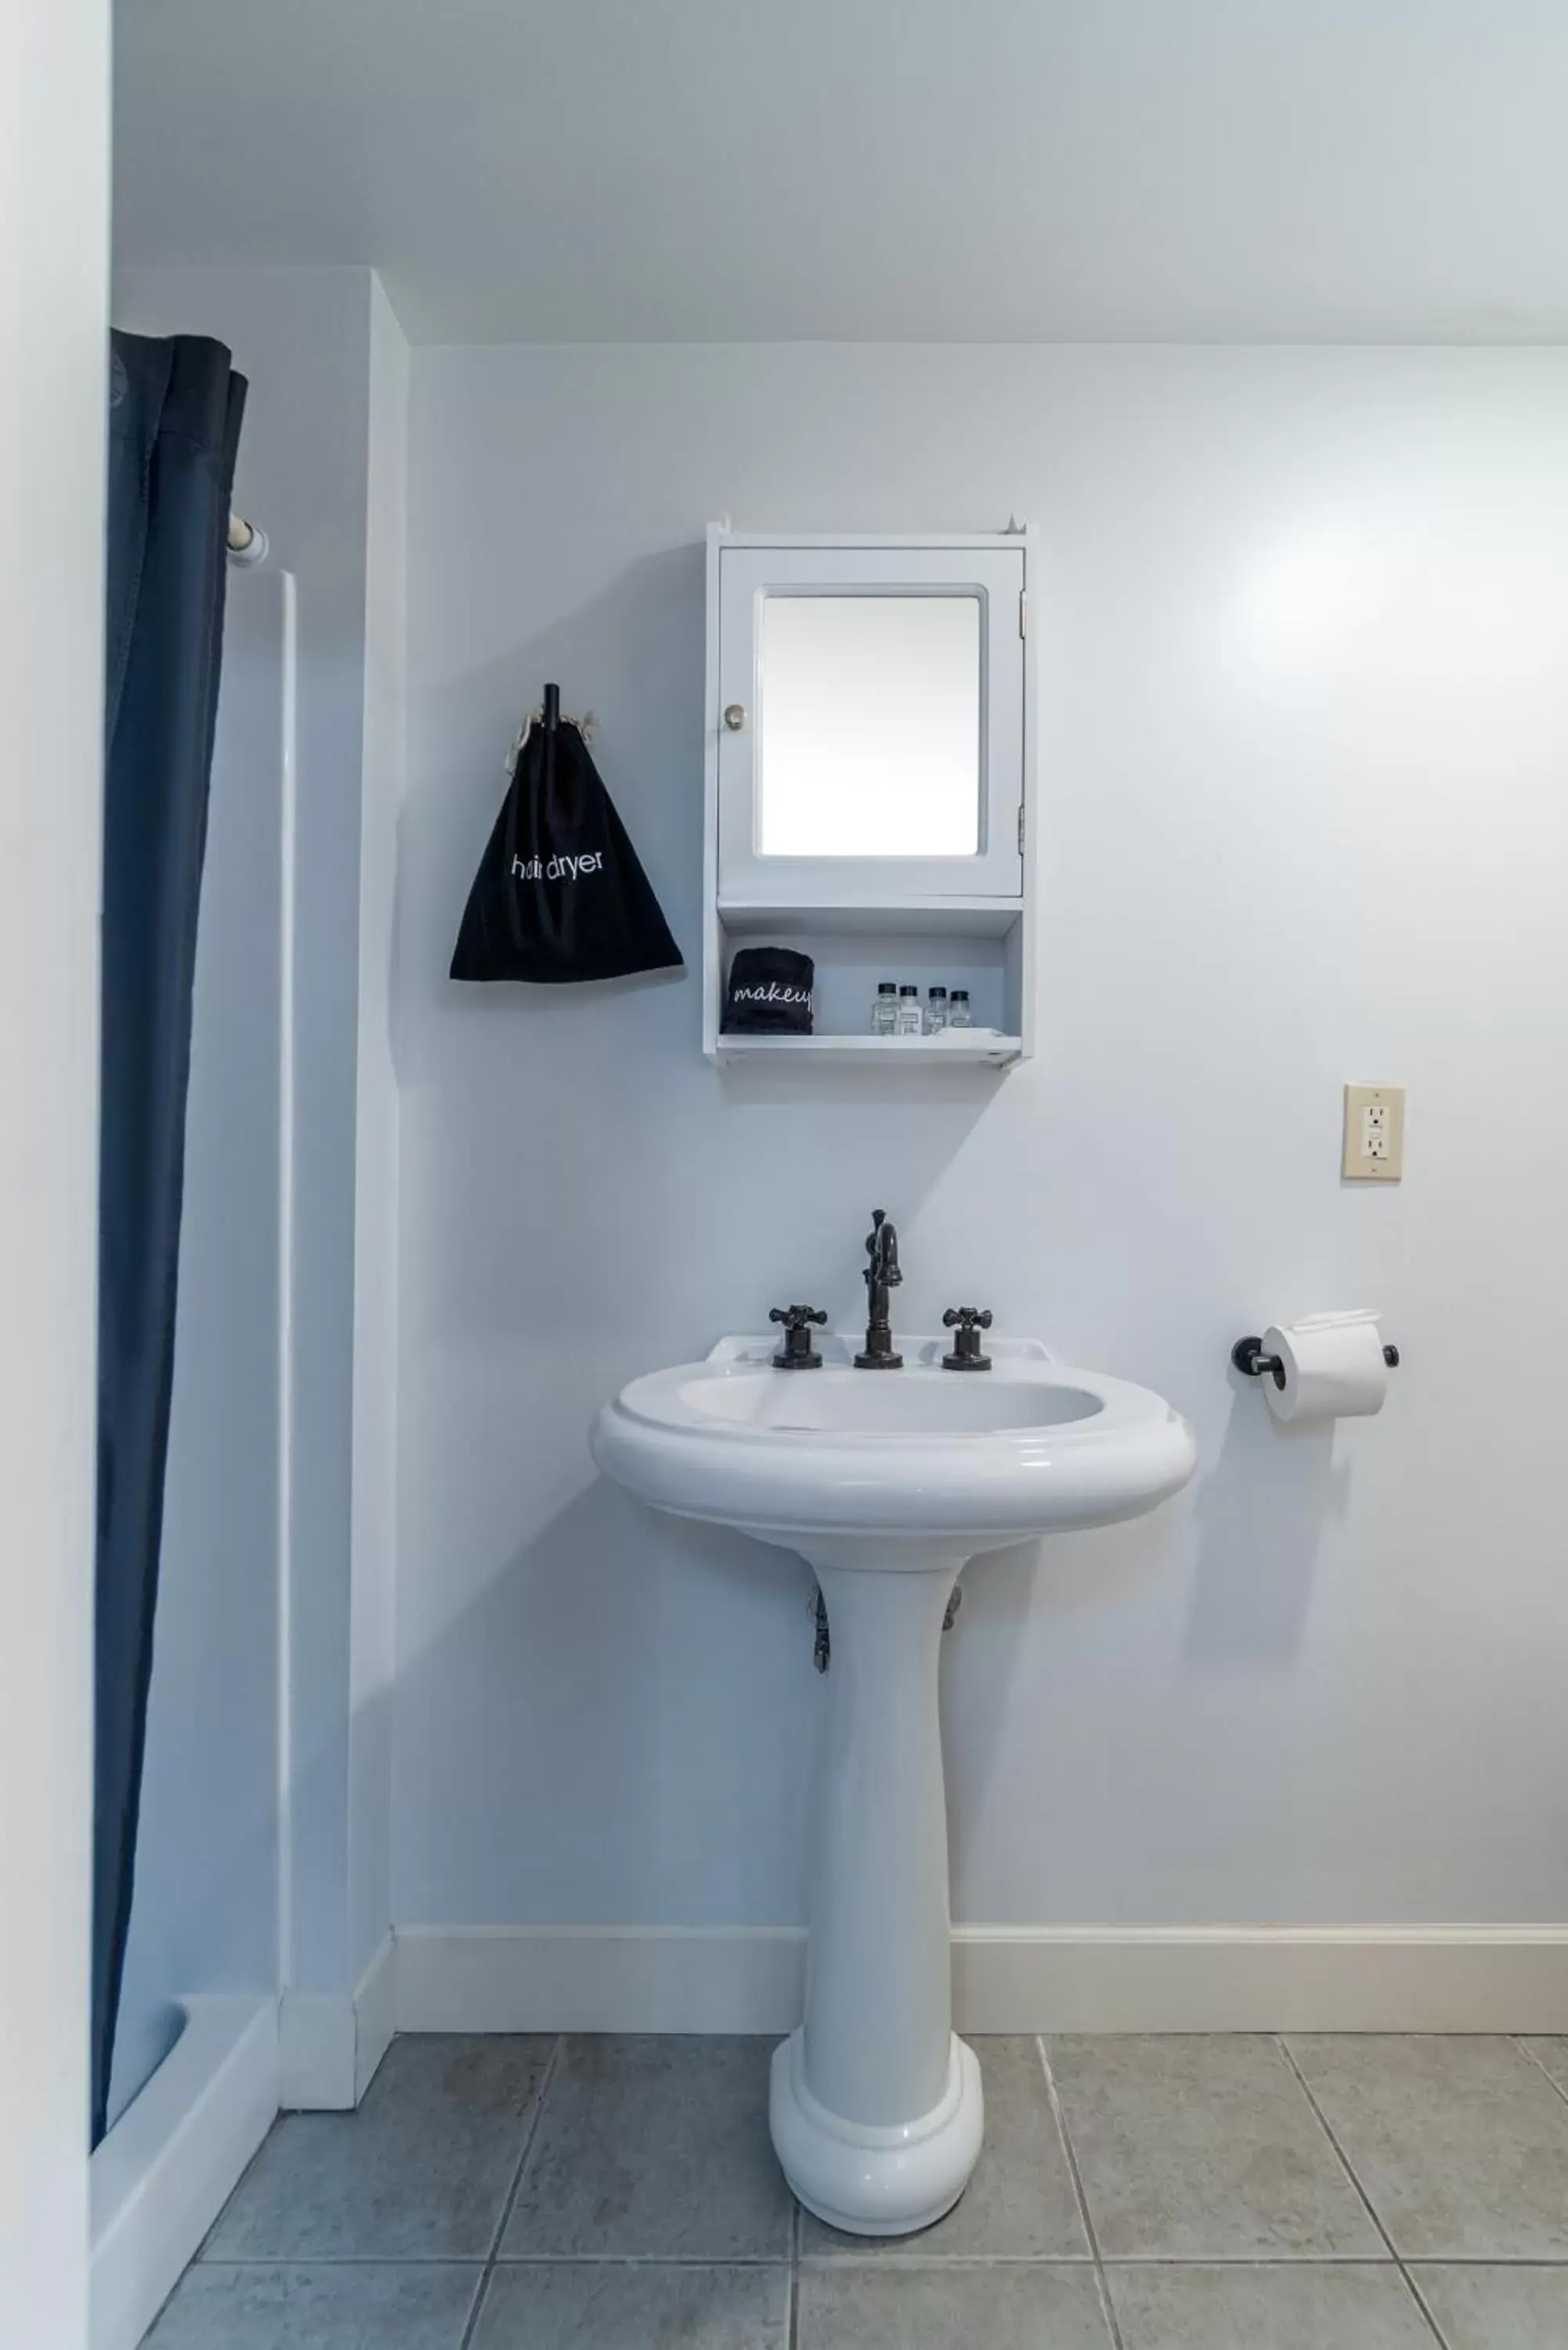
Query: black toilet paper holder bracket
point(1249, 1359)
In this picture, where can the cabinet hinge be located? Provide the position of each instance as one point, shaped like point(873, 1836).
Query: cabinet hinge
point(1023, 611)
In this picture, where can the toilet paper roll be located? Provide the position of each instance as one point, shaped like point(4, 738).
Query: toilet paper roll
point(1333, 1367)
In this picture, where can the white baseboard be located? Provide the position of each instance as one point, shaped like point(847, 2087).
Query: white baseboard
point(330, 2043)
point(1005, 1978)
point(315, 2052)
point(375, 2015)
point(1264, 1979)
point(169, 2165)
point(599, 1979)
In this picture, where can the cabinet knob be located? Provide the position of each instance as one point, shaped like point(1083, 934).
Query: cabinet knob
point(734, 716)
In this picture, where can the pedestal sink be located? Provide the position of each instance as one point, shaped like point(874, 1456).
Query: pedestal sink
point(887, 1483)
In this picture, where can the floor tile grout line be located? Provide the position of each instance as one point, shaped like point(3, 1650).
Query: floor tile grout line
point(1419, 2298)
point(546, 2083)
point(641, 2261)
point(791, 2328)
point(1287, 2054)
point(1316, 2260)
point(882, 2260)
point(1102, 2282)
point(1484, 2261)
point(476, 2308)
point(1531, 2057)
point(1287, 2057)
point(515, 2261)
point(466, 2339)
point(894, 2260)
point(1139, 2261)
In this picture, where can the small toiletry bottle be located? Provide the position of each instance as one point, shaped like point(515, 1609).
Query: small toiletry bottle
point(935, 1010)
point(958, 1013)
point(909, 1021)
point(885, 1010)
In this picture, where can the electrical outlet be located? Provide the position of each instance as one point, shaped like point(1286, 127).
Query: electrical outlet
point(1373, 1134)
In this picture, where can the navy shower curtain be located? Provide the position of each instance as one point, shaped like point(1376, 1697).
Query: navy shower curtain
point(175, 418)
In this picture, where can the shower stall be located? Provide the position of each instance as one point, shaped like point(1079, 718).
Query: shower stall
point(258, 1960)
point(203, 1957)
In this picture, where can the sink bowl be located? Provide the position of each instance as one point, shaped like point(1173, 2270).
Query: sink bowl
point(991, 1457)
point(888, 1482)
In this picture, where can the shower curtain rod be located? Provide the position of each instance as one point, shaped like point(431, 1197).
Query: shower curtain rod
point(247, 542)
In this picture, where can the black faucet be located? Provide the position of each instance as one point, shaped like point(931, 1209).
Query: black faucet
point(881, 1275)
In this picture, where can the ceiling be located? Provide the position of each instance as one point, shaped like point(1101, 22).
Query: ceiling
point(1329, 170)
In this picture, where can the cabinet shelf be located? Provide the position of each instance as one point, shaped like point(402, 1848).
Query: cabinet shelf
point(985, 1046)
point(975, 917)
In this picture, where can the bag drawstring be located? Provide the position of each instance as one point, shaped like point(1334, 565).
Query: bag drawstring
point(513, 916)
point(515, 752)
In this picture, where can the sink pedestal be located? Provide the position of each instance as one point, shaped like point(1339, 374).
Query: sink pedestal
point(887, 1484)
point(875, 2104)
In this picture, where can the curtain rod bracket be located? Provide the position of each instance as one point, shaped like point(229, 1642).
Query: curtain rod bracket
point(247, 545)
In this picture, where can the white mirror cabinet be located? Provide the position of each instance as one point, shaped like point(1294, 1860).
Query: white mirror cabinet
point(869, 739)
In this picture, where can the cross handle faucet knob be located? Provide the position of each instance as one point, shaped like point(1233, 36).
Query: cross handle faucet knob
point(797, 1354)
point(967, 1322)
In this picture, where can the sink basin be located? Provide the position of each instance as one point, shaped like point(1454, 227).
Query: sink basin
point(888, 1482)
point(990, 1456)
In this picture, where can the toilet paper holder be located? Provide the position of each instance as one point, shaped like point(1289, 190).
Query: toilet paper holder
point(1249, 1359)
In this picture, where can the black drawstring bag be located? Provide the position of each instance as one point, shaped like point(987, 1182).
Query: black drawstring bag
point(769, 993)
point(559, 894)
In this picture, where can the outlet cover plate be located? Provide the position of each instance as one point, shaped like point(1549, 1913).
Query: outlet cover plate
point(1373, 1134)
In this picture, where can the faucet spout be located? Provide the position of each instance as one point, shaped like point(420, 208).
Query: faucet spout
point(881, 1276)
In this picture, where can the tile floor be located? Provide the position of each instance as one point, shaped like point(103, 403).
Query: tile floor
point(1232, 2193)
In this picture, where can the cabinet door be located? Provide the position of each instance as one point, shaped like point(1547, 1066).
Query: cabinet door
point(870, 723)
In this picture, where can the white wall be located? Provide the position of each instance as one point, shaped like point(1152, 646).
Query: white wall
point(54, 294)
point(312, 343)
point(1302, 821)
